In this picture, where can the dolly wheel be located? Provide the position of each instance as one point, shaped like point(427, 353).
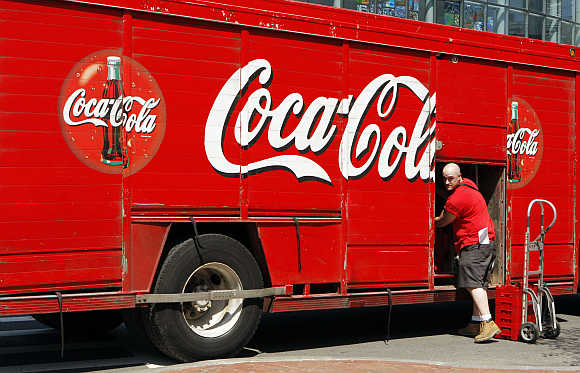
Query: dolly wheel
point(552, 333)
point(529, 332)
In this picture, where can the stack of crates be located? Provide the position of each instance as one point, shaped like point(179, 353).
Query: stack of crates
point(508, 311)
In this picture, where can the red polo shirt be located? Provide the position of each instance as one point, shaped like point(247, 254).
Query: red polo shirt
point(473, 223)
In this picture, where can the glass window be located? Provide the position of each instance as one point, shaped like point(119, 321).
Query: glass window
point(350, 4)
point(501, 2)
point(401, 8)
point(369, 6)
point(517, 23)
point(394, 8)
point(448, 12)
point(416, 10)
point(568, 9)
point(551, 31)
point(535, 26)
point(386, 7)
point(577, 32)
point(536, 5)
point(566, 32)
point(496, 19)
point(518, 3)
point(553, 8)
point(473, 16)
point(427, 11)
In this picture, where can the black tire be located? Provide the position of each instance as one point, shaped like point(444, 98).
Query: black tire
point(134, 322)
point(552, 333)
point(548, 331)
point(529, 332)
point(83, 323)
point(168, 325)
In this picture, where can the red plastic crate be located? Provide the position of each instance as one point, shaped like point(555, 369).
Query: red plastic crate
point(508, 311)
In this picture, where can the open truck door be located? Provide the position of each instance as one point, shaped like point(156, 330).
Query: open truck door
point(471, 131)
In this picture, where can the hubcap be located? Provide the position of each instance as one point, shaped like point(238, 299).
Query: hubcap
point(208, 318)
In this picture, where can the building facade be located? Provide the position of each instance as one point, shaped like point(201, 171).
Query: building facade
point(551, 20)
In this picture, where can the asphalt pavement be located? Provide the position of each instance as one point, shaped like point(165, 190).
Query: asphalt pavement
point(421, 339)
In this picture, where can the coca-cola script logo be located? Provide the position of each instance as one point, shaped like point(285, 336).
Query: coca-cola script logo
point(316, 130)
point(112, 113)
point(524, 143)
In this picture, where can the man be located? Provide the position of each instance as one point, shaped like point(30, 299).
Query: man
point(474, 240)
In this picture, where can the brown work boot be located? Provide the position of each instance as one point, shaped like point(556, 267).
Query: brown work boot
point(471, 330)
point(488, 330)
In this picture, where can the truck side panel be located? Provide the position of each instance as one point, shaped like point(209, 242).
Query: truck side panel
point(300, 65)
point(64, 227)
point(61, 221)
point(472, 110)
point(552, 96)
point(316, 259)
point(388, 214)
point(191, 62)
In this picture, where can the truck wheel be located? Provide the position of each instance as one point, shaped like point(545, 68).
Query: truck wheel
point(83, 323)
point(205, 329)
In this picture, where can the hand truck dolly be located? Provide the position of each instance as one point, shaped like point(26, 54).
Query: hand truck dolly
point(549, 328)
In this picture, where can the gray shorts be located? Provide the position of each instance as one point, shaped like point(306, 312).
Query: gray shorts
point(475, 265)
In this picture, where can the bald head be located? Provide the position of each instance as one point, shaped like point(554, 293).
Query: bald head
point(451, 169)
point(451, 176)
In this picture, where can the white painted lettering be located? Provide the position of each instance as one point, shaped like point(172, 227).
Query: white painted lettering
point(316, 130)
point(106, 111)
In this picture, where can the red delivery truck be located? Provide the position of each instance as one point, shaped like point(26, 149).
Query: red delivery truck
point(198, 163)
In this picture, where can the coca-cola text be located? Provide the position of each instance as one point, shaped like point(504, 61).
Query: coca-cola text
point(118, 111)
point(317, 121)
point(517, 145)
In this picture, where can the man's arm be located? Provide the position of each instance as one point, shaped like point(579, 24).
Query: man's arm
point(444, 219)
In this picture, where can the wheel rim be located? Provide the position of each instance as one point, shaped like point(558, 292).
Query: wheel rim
point(528, 333)
point(212, 319)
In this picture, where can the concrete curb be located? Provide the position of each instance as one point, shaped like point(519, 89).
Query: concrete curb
point(318, 365)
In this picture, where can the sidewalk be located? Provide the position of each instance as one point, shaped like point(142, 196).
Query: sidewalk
point(339, 366)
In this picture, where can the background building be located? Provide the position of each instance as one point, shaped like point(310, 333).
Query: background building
point(552, 20)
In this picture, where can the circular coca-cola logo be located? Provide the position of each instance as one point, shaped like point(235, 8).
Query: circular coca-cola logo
point(525, 144)
point(112, 113)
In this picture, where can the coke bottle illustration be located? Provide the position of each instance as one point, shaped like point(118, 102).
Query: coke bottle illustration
point(514, 173)
point(113, 152)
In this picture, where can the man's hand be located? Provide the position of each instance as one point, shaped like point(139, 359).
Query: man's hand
point(444, 219)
